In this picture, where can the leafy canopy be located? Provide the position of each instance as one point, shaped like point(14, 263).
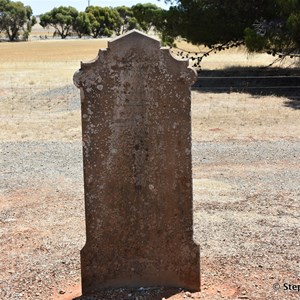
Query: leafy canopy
point(147, 15)
point(213, 22)
point(82, 24)
point(264, 25)
point(104, 20)
point(15, 19)
point(61, 18)
point(278, 34)
point(129, 22)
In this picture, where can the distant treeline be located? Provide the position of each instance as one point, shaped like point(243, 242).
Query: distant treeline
point(271, 26)
point(16, 20)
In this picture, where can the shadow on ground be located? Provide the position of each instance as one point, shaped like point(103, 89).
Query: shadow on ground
point(126, 293)
point(277, 82)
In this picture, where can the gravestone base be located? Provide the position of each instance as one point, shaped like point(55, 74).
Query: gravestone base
point(177, 270)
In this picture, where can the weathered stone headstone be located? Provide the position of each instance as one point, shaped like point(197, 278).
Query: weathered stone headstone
point(137, 167)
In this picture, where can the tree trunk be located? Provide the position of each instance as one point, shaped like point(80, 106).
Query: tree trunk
point(8, 34)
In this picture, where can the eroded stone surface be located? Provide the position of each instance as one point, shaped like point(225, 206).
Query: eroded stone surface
point(137, 168)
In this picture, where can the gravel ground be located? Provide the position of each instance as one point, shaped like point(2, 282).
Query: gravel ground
point(42, 223)
point(247, 214)
point(246, 210)
point(246, 183)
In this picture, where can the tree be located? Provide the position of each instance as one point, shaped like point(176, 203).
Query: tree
point(129, 22)
point(213, 22)
point(61, 18)
point(271, 26)
point(147, 15)
point(278, 34)
point(82, 24)
point(15, 18)
point(27, 29)
point(104, 20)
point(3, 9)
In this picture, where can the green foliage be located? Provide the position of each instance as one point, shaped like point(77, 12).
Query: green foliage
point(253, 41)
point(272, 26)
point(288, 6)
point(61, 18)
point(28, 28)
point(129, 22)
point(292, 13)
point(132, 24)
point(293, 25)
point(82, 24)
point(281, 32)
point(104, 21)
point(212, 22)
point(148, 15)
point(15, 19)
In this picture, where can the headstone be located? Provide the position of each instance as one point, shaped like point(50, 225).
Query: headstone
point(136, 125)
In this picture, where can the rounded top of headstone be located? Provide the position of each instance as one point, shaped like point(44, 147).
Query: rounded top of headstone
point(130, 48)
point(134, 37)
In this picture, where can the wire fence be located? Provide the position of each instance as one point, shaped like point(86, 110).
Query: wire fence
point(43, 101)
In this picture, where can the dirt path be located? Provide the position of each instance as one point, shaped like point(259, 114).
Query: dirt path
point(246, 191)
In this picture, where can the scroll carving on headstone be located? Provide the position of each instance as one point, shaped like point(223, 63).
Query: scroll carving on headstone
point(136, 127)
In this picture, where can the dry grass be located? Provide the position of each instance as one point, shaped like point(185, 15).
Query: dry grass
point(50, 51)
point(234, 57)
point(242, 116)
point(34, 77)
point(44, 63)
point(33, 81)
point(35, 94)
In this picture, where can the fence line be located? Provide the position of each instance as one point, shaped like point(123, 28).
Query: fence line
point(20, 102)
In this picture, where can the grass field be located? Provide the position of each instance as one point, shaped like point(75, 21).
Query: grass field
point(245, 171)
point(36, 80)
point(50, 51)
